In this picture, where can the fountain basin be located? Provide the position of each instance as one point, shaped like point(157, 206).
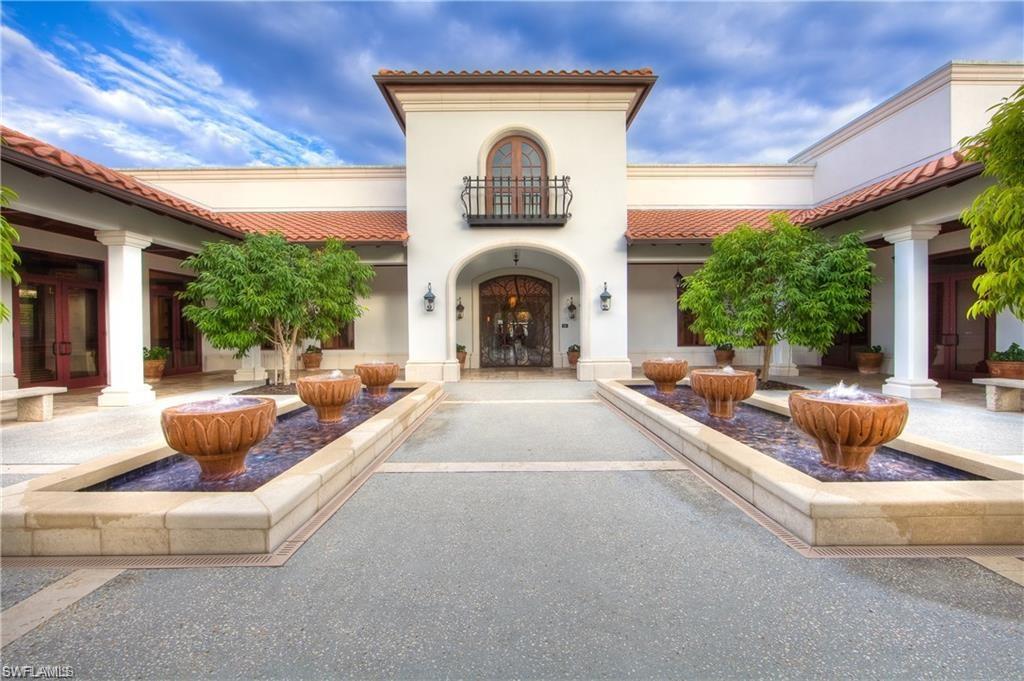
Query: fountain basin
point(848, 431)
point(982, 505)
point(722, 389)
point(377, 376)
point(328, 394)
point(665, 373)
point(218, 434)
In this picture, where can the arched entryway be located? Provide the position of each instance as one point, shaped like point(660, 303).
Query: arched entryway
point(515, 322)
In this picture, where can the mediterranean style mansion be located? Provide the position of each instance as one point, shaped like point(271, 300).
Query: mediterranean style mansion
point(516, 228)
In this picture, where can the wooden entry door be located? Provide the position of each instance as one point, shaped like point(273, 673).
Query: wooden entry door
point(515, 322)
point(61, 332)
point(169, 329)
point(958, 346)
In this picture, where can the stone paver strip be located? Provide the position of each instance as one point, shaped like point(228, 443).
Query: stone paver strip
point(23, 617)
point(531, 467)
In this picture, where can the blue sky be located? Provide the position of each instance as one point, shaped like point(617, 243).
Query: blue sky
point(191, 84)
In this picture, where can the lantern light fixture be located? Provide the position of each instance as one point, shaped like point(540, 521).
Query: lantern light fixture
point(429, 298)
point(460, 309)
point(571, 308)
point(678, 278)
point(606, 298)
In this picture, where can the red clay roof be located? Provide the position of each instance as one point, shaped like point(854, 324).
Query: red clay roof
point(697, 223)
point(934, 173)
point(352, 226)
point(24, 150)
point(519, 74)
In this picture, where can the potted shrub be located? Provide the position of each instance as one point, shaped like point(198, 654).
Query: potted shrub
point(573, 353)
point(460, 352)
point(1007, 364)
point(154, 360)
point(870, 361)
point(312, 357)
point(724, 354)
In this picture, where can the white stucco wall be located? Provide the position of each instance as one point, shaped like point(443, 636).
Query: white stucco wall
point(702, 186)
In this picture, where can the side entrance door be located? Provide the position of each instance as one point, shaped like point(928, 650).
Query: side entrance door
point(958, 346)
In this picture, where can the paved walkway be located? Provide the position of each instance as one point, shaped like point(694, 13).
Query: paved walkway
point(608, 573)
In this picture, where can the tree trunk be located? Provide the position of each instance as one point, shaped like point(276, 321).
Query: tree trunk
point(766, 360)
point(286, 361)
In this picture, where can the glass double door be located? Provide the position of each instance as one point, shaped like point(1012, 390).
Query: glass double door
point(61, 332)
point(169, 329)
point(958, 346)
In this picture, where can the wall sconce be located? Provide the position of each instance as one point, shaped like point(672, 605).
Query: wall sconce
point(428, 299)
point(571, 309)
point(460, 309)
point(678, 278)
point(606, 298)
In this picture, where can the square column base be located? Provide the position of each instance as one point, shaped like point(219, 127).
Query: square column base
point(8, 382)
point(122, 397)
point(921, 389)
point(593, 369)
point(783, 370)
point(447, 371)
point(250, 374)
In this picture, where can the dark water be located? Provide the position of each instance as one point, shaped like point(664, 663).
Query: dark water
point(778, 437)
point(296, 436)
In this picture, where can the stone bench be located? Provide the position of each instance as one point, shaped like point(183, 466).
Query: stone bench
point(1002, 394)
point(34, 404)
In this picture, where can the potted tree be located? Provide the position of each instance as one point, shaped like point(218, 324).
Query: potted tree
point(724, 354)
point(869, 361)
point(312, 357)
point(460, 352)
point(154, 360)
point(1007, 364)
point(573, 353)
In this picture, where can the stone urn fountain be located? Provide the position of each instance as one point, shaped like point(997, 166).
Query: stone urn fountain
point(847, 423)
point(328, 393)
point(218, 434)
point(665, 373)
point(722, 388)
point(377, 376)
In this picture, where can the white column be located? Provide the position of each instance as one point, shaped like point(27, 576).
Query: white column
point(8, 381)
point(252, 366)
point(782, 363)
point(910, 311)
point(124, 319)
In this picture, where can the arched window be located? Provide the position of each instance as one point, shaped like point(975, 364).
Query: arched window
point(517, 177)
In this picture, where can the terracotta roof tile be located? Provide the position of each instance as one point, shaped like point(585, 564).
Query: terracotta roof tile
point(352, 226)
point(933, 170)
point(40, 151)
point(691, 223)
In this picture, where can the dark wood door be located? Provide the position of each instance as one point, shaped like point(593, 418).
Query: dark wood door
point(169, 329)
point(515, 322)
point(958, 346)
point(61, 332)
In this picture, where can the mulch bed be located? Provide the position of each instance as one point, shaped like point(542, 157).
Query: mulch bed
point(778, 385)
point(279, 389)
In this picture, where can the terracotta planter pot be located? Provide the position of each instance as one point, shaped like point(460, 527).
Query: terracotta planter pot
point(847, 432)
point(153, 369)
point(462, 359)
point(573, 358)
point(1006, 369)
point(377, 376)
point(665, 373)
point(328, 394)
point(218, 434)
point(724, 358)
point(721, 390)
point(311, 360)
point(869, 362)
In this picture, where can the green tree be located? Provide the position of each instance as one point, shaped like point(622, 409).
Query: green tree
point(996, 218)
point(9, 259)
point(760, 287)
point(265, 289)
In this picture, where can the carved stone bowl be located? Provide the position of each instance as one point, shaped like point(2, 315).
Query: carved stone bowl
point(848, 431)
point(328, 394)
point(665, 373)
point(377, 376)
point(218, 434)
point(721, 390)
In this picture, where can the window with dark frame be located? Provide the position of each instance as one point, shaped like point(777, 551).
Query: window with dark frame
point(344, 340)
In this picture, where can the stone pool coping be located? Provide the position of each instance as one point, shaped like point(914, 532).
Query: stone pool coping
point(46, 516)
point(982, 512)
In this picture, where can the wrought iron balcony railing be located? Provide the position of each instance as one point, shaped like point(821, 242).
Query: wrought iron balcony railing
point(516, 201)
